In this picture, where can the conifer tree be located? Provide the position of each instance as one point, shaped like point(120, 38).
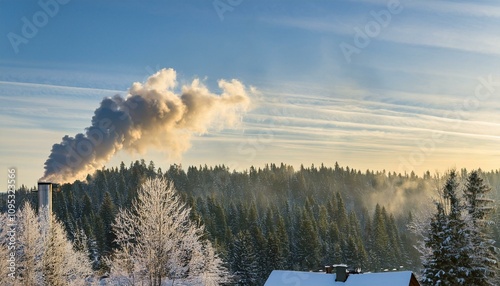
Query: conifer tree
point(434, 263)
point(324, 235)
point(87, 210)
point(284, 244)
point(259, 245)
point(273, 253)
point(449, 262)
point(359, 256)
point(308, 243)
point(395, 253)
point(341, 216)
point(107, 214)
point(380, 239)
point(244, 261)
point(478, 207)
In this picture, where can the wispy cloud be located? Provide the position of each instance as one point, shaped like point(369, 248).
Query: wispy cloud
point(448, 25)
point(477, 9)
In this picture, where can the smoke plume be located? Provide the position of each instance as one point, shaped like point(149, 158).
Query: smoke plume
point(151, 115)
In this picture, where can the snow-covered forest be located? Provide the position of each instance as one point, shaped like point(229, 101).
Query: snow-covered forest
point(236, 227)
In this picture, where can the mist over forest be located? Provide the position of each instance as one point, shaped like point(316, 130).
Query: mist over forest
point(274, 216)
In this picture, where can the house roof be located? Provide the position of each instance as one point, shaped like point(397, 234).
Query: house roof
point(284, 277)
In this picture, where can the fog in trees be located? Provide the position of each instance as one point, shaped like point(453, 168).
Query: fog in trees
point(272, 217)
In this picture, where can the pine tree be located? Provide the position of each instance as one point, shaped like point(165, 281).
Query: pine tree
point(478, 207)
point(324, 235)
point(380, 239)
point(87, 211)
point(244, 263)
point(273, 253)
point(284, 244)
point(449, 262)
point(359, 256)
point(107, 214)
point(458, 240)
point(434, 263)
point(308, 243)
point(396, 256)
point(341, 216)
point(259, 244)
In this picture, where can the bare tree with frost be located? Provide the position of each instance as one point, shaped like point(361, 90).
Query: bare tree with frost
point(159, 243)
point(44, 254)
point(61, 264)
point(5, 279)
point(30, 248)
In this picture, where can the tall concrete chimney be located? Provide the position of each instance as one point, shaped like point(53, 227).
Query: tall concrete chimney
point(45, 196)
point(45, 201)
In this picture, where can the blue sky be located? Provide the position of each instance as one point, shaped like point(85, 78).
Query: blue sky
point(423, 93)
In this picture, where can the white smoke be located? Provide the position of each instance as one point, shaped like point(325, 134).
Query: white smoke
point(151, 115)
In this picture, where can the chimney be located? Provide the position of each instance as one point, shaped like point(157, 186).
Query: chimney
point(340, 272)
point(328, 269)
point(45, 200)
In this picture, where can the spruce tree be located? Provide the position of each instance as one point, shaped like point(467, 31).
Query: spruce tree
point(308, 243)
point(380, 239)
point(359, 256)
point(479, 207)
point(449, 261)
point(434, 263)
point(284, 244)
point(244, 262)
point(107, 214)
point(273, 253)
point(396, 255)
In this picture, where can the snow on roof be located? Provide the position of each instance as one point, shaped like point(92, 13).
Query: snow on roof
point(284, 277)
